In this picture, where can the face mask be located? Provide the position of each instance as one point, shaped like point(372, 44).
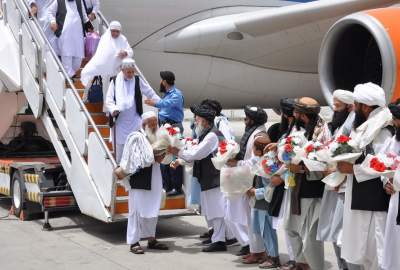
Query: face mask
point(162, 88)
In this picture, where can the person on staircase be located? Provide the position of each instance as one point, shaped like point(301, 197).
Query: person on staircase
point(106, 62)
point(92, 8)
point(69, 22)
point(171, 112)
point(124, 104)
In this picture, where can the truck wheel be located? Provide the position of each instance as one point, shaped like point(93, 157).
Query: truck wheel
point(18, 193)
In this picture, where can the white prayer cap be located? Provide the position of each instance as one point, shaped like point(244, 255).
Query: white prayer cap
point(115, 25)
point(149, 114)
point(370, 94)
point(344, 96)
point(128, 62)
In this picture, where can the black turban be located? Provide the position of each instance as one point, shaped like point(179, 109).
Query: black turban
point(204, 111)
point(168, 76)
point(287, 106)
point(307, 105)
point(214, 104)
point(257, 114)
point(395, 110)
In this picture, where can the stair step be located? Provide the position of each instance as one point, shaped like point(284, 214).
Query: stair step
point(121, 191)
point(78, 84)
point(122, 199)
point(121, 207)
point(95, 107)
point(103, 129)
point(176, 202)
point(100, 118)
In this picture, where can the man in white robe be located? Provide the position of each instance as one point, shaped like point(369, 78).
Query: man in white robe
point(238, 211)
point(69, 28)
point(145, 200)
point(124, 104)
point(391, 243)
point(106, 62)
point(212, 200)
point(331, 215)
point(39, 8)
point(366, 203)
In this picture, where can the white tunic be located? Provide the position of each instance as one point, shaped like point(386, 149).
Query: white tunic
point(212, 200)
point(363, 231)
point(128, 120)
point(147, 202)
point(391, 260)
point(71, 41)
point(43, 19)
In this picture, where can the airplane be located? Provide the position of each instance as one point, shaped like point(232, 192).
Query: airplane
point(257, 51)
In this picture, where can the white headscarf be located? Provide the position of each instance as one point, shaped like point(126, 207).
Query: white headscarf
point(105, 61)
point(344, 96)
point(370, 94)
point(128, 63)
point(115, 25)
point(149, 114)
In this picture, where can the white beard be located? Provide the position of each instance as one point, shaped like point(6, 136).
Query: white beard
point(151, 136)
point(199, 129)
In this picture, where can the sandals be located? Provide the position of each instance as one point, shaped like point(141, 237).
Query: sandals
point(156, 245)
point(136, 249)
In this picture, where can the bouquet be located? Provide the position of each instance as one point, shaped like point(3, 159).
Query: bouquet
point(269, 165)
point(311, 160)
point(227, 150)
point(236, 180)
point(168, 135)
point(379, 165)
point(291, 151)
point(342, 149)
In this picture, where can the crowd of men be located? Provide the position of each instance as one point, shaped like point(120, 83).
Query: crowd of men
point(360, 218)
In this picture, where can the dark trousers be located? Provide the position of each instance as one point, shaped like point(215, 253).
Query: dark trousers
point(172, 179)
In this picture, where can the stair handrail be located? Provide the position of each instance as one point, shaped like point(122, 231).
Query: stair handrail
point(65, 75)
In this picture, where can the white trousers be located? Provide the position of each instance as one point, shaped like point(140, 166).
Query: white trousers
point(239, 231)
point(218, 224)
point(139, 228)
point(71, 64)
point(119, 149)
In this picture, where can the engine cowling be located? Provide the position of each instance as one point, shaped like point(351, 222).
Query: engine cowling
point(359, 48)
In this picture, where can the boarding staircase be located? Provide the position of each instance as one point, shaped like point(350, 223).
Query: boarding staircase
point(78, 131)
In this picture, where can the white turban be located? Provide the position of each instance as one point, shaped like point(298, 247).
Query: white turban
point(115, 25)
point(149, 114)
point(344, 96)
point(370, 94)
point(128, 63)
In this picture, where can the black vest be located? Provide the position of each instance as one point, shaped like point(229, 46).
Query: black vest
point(138, 95)
point(142, 179)
point(369, 195)
point(62, 12)
point(310, 189)
point(204, 170)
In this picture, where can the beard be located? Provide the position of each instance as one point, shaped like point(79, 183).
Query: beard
point(338, 120)
point(151, 134)
point(162, 88)
point(398, 134)
point(199, 130)
point(359, 119)
point(299, 124)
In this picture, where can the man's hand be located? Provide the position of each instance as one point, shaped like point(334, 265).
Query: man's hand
point(115, 113)
point(295, 168)
point(122, 54)
point(276, 180)
point(173, 150)
point(174, 164)
point(34, 10)
point(158, 159)
point(251, 192)
point(232, 163)
point(150, 102)
point(389, 187)
point(92, 16)
point(53, 26)
point(328, 171)
point(345, 167)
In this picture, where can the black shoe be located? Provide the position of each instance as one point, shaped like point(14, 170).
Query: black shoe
point(174, 192)
point(215, 247)
point(243, 251)
point(230, 242)
point(207, 234)
point(206, 242)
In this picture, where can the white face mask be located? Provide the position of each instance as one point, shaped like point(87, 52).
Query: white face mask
point(151, 135)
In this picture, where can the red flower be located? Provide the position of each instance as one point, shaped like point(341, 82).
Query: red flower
point(222, 147)
point(310, 148)
point(288, 148)
point(289, 140)
point(172, 131)
point(343, 139)
point(377, 165)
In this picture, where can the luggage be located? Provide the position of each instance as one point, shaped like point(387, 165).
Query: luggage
point(91, 43)
point(96, 91)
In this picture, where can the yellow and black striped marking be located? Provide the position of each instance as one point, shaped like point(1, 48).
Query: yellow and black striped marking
point(31, 178)
point(4, 168)
point(5, 191)
point(33, 196)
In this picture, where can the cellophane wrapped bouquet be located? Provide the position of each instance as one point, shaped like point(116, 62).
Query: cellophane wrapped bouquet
point(168, 135)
